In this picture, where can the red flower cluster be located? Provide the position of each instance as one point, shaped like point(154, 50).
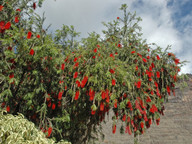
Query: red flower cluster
point(158, 74)
point(138, 84)
point(91, 94)
point(34, 5)
point(113, 82)
point(78, 83)
point(84, 81)
point(101, 106)
point(153, 109)
point(1, 7)
point(114, 129)
point(4, 26)
point(62, 66)
point(76, 95)
point(49, 131)
point(168, 90)
point(60, 95)
point(75, 75)
point(112, 71)
point(31, 52)
point(158, 58)
point(29, 35)
point(16, 19)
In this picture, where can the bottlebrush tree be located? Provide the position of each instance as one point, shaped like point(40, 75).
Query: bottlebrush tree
point(68, 94)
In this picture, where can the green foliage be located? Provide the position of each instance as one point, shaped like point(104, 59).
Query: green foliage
point(17, 129)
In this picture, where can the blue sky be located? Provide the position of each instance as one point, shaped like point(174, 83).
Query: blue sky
point(165, 22)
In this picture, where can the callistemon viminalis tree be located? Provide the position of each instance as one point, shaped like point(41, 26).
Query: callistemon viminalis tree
point(120, 72)
point(124, 73)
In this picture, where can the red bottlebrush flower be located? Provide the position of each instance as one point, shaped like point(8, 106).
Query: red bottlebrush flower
point(76, 65)
point(91, 94)
point(152, 92)
point(119, 45)
point(7, 25)
point(75, 59)
point(112, 71)
point(75, 75)
point(153, 65)
point(62, 66)
point(103, 94)
point(19, 10)
point(65, 87)
point(117, 17)
point(129, 130)
point(29, 35)
point(78, 83)
point(1, 7)
point(129, 105)
point(124, 95)
point(49, 131)
point(16, 19)
point(150, 68)
point(133, 52)
point(144, 60)
point(156, 84)
point(115, 104)
point(93, 57)
point(114, 129)
point(113, 82)
point(49, 104)
point(168, 90)
point(148, 50)
point(92, 112)
point(34, 6)
point(38, 36)
point(148, 99)
point(158, 58)
point(142, 125)
point(95, 50)
point(158, 74)
point(31, 52)
point(148, 57)
point(136, 68)
point(153, 109)
point(150, 121)
point(176, 61)
point(11, 75)
point(111, 55)
point(76, 95)
point(157, 121)
point(124, 117)
point(84, 81)
point(53, 106)
point(60, 95)
point(139, 84)
point(8, 108)
point(101, 106)
point(98, 46)
point(137, 106)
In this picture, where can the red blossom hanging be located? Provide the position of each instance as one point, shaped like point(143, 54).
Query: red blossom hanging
point(158, 74)
point(75, 75)
point(76, 95)
point(31, 52)
point(84, 81)
point(29, 35)
point(62, 66)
